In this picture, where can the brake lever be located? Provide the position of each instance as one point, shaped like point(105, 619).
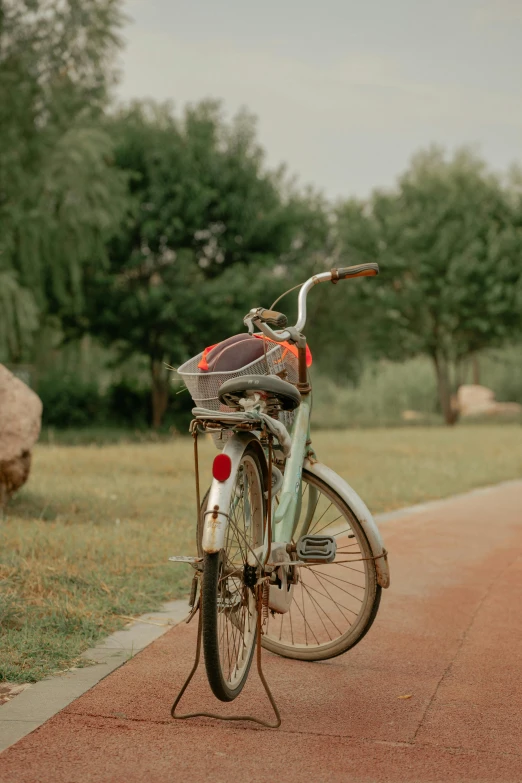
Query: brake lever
point(248, 320)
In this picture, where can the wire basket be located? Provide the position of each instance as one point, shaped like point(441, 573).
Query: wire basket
point(204, 386)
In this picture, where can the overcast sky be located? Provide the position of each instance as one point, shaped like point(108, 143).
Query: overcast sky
point(345, 92)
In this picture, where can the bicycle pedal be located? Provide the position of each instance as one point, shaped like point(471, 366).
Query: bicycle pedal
point(319, 549)
point(195, 562)
point(185, 559)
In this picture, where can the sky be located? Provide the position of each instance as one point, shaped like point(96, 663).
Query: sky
point(345, 92)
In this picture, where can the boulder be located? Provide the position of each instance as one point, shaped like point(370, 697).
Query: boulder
point(410, 415)
point(20, 421)
point(474, 400)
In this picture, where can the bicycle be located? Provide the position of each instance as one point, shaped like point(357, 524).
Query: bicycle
point(288, 553)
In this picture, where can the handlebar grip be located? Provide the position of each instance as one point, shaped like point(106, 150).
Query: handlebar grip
point(272, 317)
point(359, 270)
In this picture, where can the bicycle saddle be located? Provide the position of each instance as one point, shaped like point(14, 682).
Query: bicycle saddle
point(231, 391)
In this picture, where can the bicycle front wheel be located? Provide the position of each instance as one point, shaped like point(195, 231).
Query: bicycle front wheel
point(228, 599)
point(334, 604)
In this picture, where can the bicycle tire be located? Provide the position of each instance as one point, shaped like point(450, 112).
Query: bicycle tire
point(229, 610)
point(283, 631)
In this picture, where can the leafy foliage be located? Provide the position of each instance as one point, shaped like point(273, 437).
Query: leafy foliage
point(19, 316)
point(156, 231)
point(60, 197)
point(207, 223)
point(449, 239)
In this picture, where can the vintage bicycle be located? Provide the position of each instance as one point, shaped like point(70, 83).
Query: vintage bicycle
point(289, 556)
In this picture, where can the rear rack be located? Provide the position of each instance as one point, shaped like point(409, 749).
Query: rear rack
point(242, 420)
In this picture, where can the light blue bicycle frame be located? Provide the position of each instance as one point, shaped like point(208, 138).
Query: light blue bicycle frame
point(286, 514)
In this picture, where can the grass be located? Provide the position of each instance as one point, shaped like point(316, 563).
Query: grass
point(87, 541)
point(103, 435)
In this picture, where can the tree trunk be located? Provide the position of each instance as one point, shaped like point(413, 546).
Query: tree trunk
point(476, 369)
point(460, 371)
point(160, 392)
point(444, 390)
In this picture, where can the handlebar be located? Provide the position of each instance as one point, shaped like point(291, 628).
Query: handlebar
point(270, 317)
point(359, 270)
point(261, 317)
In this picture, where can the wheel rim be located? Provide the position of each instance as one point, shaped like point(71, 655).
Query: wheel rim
point(330, 600)
point(236, 604)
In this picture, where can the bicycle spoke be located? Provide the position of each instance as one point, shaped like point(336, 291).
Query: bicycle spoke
point(332, 600)
point(306, 624)
point(322, 515)
point(321, 576)
point(291, 626)
point(338, 578)
point(328, 524)
point(315, 604)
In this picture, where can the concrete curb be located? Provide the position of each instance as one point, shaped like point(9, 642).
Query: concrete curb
point(39, 702)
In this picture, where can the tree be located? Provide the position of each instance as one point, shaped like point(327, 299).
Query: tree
point(60, 197)
point(449, 241)
point(207, 220)
point(19, 316)
point(336, 315)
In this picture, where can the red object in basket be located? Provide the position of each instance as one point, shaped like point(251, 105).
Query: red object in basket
point(215, 354)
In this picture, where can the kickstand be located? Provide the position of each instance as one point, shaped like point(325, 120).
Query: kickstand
point(259, 669)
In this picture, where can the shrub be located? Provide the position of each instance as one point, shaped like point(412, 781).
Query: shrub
point(70, 402)
point(128, 404)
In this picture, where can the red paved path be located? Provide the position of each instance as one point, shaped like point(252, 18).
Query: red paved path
point(449, 632)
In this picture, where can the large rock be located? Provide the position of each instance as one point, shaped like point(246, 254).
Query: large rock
point(410, 415)
point(20, 421)
point(474, 400)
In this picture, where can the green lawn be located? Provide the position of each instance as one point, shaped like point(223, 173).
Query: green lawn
point(87, 541)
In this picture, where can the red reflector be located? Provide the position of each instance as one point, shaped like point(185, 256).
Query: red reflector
point(222, 467)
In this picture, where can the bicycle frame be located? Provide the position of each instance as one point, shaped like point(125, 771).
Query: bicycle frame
point(287, 512)
point(286, 515)
point(216, 521)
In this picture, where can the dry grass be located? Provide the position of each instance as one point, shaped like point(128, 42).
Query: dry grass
point(88, 539)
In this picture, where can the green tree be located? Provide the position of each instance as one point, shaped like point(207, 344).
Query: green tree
point(207, 222)
point(336, 315)
point(449, 240)
point(60, 197)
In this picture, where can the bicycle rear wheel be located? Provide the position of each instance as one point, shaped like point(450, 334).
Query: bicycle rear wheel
point(333, 605)
point(228, 599)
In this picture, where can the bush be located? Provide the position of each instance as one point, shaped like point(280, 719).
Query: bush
point(384, 391)
point(501, 370)
point(70, 402)
point(128, 404)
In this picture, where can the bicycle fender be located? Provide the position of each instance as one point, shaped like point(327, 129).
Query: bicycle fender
point(361, 511)
point(220, 495)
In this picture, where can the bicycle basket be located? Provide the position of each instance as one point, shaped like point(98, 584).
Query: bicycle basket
point(204, 386)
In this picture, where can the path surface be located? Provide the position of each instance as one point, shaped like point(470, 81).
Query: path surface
point(449, 633)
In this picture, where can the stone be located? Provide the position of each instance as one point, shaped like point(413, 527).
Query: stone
point(20, 422)
point(475, 400)
point(409, 415)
